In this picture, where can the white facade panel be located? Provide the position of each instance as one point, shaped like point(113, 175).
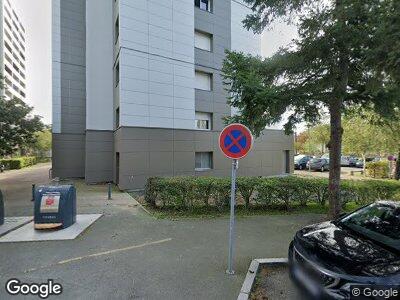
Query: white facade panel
point(157, 59)
point(243, 40)
point(99, 65)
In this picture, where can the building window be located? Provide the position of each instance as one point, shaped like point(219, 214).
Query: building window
point(117, 118)
point(203, 4)
point(203, 120)
point(116, 30)
point(117, 74)
point(204, 161)
point(203, 40)
point(203, 81)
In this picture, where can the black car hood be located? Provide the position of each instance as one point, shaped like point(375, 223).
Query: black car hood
point(341, 251)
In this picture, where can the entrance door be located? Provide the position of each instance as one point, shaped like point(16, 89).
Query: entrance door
point(287, 161)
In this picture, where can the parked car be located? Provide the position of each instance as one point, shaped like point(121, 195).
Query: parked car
point(344, 161)
point(360, 248)
point(300, 162)
point(352, 161)
point(360, 163)
point(318, 164)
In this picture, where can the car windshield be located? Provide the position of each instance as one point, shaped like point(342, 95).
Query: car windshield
point(299, 157)
point(379, 222)
point(316, 160)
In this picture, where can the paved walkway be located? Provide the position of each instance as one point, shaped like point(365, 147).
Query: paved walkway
point(16, 186)
point(127, 254)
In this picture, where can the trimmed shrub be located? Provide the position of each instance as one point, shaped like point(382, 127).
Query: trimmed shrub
point(19, 162)
point(379, 169)
point(283, 192)
point(247, 186)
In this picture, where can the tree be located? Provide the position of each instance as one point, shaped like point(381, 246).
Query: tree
point(300, 143)
point(17, 126)
point(319, 137)
point(361, 137)
point(390, 129)
point(335, 64)
point(43, 141)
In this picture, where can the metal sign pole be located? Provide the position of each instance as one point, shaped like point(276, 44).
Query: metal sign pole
point(235, 166)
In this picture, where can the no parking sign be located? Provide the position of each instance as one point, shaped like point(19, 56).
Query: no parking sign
point(235, 142)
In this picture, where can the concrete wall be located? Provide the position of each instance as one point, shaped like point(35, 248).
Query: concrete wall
point(146, 152)
point(69, 88)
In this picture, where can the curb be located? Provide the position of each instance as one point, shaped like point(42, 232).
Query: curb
point(252, 273)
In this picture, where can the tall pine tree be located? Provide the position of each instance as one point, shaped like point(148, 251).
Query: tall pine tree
point(345, 57)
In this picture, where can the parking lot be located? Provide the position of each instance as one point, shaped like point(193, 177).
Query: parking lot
point(346, 173)
point(129, 254)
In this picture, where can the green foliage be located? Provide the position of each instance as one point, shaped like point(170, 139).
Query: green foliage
point(361, 137)
point(318, 137)
point(19, 162)
point(378, 169)
point(324, 63)
point(43, 142)
point(188, 193)
point(17, 126)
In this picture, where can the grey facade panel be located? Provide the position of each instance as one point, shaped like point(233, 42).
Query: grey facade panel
point(148, 152)
point(68, 155)
point(73, 61)
point(99, 162)
point(218, 24)
point(69, 145)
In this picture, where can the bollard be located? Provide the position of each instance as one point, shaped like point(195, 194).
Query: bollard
point(33, 192)
point(109, 190)
point(1, 209)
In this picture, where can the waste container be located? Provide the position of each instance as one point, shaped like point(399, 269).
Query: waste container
point(1, 209)
point(55, 207)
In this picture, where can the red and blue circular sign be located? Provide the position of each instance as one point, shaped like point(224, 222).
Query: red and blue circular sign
point(235, 141)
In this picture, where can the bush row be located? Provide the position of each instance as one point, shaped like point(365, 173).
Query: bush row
point(190, 192)
point(19, 162)
point(379, 169)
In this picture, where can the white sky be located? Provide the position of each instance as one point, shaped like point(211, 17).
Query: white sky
point(36, 17)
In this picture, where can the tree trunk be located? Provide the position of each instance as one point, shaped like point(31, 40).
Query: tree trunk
point(397, 171)
point(335, 109)
point(335, 154)
point(364, 163)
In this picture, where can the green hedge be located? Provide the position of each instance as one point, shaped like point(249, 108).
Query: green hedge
point(379, 169)
point(18, 163)
point(284, 192)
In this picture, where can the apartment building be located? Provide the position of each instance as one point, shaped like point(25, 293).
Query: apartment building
point(137, 91)
point(12, 52)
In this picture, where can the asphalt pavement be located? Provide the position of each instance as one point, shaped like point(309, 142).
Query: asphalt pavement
point(128, 254)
